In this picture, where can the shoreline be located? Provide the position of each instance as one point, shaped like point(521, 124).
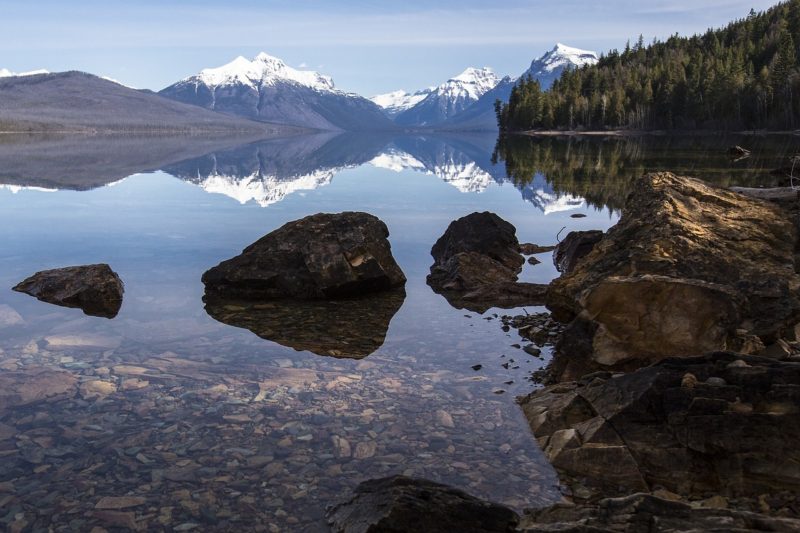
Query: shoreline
point(650, 133)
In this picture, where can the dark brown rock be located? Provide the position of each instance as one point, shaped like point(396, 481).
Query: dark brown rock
point(320, 256)
point(352, 328)
point(531, 249)
point(95, 289)
point(400, 504)
point(716, 424)
point(476, 264)
point(575, 246)
point(688, 269)
point(644, 512)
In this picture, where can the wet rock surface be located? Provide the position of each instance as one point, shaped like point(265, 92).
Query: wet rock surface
point(320, 256)
point(722, 424)
point(95, 289)
point(400, 504)
point(688, 269)
point(352, 328)
point(476, 264)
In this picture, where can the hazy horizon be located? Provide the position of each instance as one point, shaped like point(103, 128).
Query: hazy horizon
point(367, 47)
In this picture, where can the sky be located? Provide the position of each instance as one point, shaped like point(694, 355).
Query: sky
point(367, 46)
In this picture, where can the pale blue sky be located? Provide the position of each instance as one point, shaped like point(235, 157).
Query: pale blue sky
point(366, 46)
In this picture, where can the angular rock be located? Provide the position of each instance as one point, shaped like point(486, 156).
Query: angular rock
point(644, 512)
point(349, 328)
point(399, 504)
point(575, 246)
point(689, 268)
point(476, 263)
point(728, 430)
point(95, 289)
point(320, 256)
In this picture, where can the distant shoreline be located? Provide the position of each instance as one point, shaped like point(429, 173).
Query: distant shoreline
point(647, 133)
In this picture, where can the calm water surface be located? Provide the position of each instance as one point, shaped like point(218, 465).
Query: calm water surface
point(203, 425)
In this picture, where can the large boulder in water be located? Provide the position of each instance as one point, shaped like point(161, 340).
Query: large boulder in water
point(688, 269)
point(476, 264)
point(96, 289)
point(399, 504)
point(722, 423)
point(318, 257)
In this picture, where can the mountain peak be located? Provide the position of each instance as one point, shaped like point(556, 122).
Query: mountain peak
point(550, 65)
point(263, 69)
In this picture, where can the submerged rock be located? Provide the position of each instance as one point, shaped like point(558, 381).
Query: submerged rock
point(320, 256)
point(476, 264)
point(645, 512)
point(399, 504)
point(351, 328)
point(95, 289)
point(531, 249)
point(717, 424)
point(688, 269)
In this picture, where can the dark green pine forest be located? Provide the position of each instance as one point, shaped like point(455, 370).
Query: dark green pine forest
point(744, 76)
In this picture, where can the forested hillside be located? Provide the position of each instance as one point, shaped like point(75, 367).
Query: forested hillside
point(744, 76)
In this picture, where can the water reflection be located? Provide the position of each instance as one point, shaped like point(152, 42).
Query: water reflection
point(351, 329)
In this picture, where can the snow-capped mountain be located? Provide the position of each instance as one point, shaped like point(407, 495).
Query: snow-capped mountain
point(5, 73)
point(461, 173)
point(265, 88)
point(396, 102)
point(263, 189)
point(449, 98)
point(551, 65)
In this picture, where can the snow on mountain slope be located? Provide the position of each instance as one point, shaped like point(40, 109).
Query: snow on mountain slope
point(464, 175)
point(552, 64)
point(396, 102)
point(267, 89)
point(264, 69)
point(5, 73)
point(263, 189)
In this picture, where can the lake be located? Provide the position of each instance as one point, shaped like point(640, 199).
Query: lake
point(205, 425)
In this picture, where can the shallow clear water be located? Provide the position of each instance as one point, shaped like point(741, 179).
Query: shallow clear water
point(214, 426)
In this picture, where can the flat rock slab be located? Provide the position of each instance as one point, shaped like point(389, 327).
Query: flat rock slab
point(400, 504)
point(321, 256)
point(95, 289)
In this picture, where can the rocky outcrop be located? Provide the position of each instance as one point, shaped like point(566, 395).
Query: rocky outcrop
point(95, 289)
point(722, 424)
point(401, 504)
point(476, 264)
point(350, 328)
point(688, 269)
point(318, 257)
point(645, 512)
point(575, 246)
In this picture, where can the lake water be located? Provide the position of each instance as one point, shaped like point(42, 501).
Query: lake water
point(208, 426)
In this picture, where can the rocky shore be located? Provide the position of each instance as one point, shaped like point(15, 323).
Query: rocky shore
point(673, 401)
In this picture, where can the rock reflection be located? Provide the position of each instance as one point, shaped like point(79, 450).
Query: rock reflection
point(347, 328)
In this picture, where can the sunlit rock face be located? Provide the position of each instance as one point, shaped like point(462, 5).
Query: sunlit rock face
point(348, 328)
point(95, 289)
point(688, 269)
point(321, 256)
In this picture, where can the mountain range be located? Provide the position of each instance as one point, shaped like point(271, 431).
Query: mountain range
point(261, 95)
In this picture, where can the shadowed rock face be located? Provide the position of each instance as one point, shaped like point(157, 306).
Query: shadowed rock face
point(722, 423)
point(688, 269)
point(352, 329)
point(321, 256)
point(95, 289)
point(399, 504)
point(476, 263)
point(575, 246)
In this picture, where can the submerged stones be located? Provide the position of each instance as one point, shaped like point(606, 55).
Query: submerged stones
point(688, 269)
point(95, 289)
point(399, 503)
point(719, 424)
point(343, 328)
point(476, 264)
point(321, 256)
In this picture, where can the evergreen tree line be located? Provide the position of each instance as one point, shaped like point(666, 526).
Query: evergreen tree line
point(744, 76)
